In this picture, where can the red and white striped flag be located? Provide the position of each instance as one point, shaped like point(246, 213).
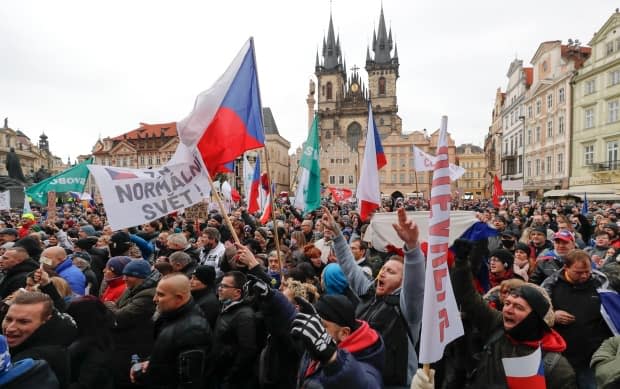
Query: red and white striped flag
point(441, 320)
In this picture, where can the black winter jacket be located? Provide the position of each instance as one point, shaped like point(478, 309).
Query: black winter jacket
point(178, 331)
point(15, 277)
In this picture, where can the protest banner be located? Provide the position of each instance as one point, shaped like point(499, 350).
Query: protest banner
point(198, 211)
point(5, 200)
point(51, 206)
point(71, 180)
point(136, 196)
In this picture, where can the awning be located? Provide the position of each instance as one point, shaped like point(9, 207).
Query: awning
point(602, 188)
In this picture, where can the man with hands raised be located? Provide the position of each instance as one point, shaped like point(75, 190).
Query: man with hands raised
point(392, 304)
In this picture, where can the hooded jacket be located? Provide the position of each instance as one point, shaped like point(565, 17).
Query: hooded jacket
point(606, 364)
point(15, 277)
point(489, 372)
point(359, 362)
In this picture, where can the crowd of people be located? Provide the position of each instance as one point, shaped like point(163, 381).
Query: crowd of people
point(303, 301)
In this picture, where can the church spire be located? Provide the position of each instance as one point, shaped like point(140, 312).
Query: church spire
point(331, 48)
point(382, 42)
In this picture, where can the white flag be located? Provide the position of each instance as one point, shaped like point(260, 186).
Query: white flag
point(5, 200)
point(135, 196)
point(424, 162)
point(441, 319)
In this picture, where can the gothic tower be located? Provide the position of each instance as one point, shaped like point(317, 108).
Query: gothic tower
point(382, 71)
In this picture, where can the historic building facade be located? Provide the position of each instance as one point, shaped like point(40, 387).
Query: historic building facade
point(471, 186)
point(595, 162)
point(513, 127)
point(342, 107)
point(32, 157)
point(493, 142)
point(548, 104)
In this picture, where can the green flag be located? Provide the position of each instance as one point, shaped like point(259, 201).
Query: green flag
point(308, 195)
point(71, 180)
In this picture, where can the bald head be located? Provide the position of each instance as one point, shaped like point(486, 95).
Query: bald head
point(53, 256)
point(173, 291)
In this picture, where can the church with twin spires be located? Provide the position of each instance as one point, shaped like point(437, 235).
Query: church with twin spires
point(340, 100)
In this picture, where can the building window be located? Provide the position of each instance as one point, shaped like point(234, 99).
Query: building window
point(610, 47)
point(588, 154)
point(332, 180)
point(614, 77)
point(329, 91)
point(350, 180)
point(529, 111)
point(612, 153)
point(537, 135)
point(589, 118)
point(550, 129)
point(340, 180)
point(394, 178)
point(561, 163)
point(158, 160)
point(402, 178)
point(549, 165)
point(561, 96)
point(561, 125)
point(538, 167)
point(382, 85)
point(589, 87)
point(549, 101)
point(529, 136)
point(520, 164)
point(142, 160)
point(529, 168)
point(538, 106)
point(612, 111)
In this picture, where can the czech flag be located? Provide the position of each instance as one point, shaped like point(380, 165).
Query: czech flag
point(253, 202)
point(498, 191)
point(227, 118)
point(368, 192)
point(525, 372)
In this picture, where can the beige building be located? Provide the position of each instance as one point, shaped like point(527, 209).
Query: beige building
point(31, 156)
point(548, 117)
point(595, 163)
point(278, 148)
point(342, 106)
point(471, 186)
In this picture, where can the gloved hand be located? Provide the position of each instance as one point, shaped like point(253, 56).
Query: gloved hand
point(421, 381)
point(461, 249)
point(317, 341)
point(257, 287)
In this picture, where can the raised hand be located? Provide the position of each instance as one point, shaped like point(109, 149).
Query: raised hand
point(406, 229)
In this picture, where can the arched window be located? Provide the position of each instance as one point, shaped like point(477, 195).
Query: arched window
point(329, 91)
point(382, 85)
point(354, 133)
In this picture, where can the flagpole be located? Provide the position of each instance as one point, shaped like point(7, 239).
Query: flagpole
point(218, 199)
point(417, 189)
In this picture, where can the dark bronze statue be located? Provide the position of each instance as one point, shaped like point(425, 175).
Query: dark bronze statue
point(13, 166)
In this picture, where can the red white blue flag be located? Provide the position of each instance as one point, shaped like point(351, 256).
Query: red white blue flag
point(525, 372)
point(227, 119)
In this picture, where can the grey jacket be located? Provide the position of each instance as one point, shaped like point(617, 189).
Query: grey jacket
point(411, 293)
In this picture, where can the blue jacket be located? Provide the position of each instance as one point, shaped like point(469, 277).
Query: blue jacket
point(74, 276)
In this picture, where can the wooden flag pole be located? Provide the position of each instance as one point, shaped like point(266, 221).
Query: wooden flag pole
point(426, 367)
point(273, 214)
point(223, 210)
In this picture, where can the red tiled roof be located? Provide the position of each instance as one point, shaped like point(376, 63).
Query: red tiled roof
point(167, 130)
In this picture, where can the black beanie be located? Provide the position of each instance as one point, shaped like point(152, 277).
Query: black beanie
point(505, 256)
point(337, 309)
point(540, 305)
point(523, 247)
point(205, 274)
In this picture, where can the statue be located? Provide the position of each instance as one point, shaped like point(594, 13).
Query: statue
point(41, 174)
point(13, 166)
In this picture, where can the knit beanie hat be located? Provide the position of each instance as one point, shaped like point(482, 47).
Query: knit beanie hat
point(523, 247)
point(540, 229)
point(334, 279)
point(505, 256)
point(540, 305)
point(88, 229)
point(205, 274)
point(337, 309)
point(5, 357)
point(138, 268)
point(119, 243)
point(117, 264)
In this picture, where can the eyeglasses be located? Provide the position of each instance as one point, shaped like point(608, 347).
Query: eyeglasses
point(224, 286)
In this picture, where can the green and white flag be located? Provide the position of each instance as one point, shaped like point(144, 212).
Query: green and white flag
point(308, 195)
point(71, 180)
